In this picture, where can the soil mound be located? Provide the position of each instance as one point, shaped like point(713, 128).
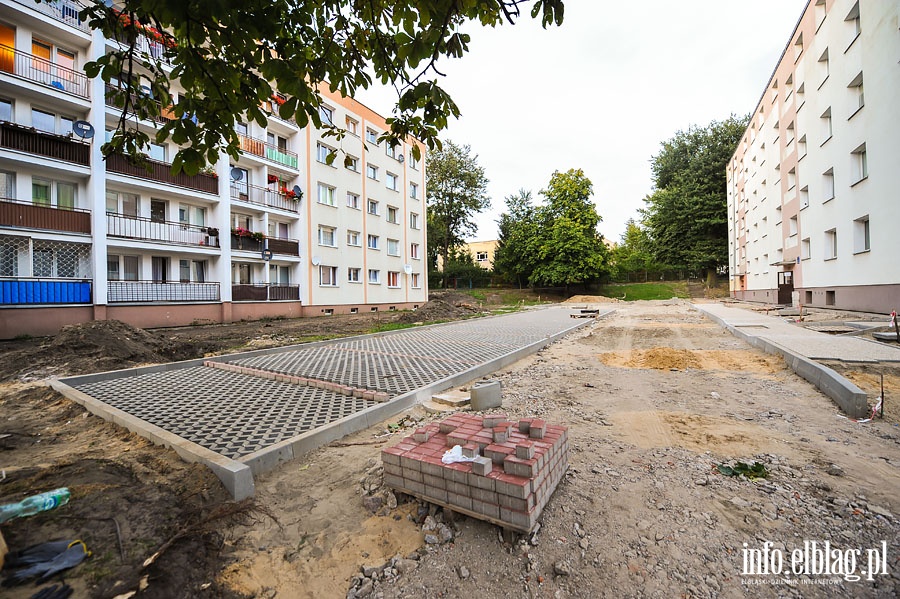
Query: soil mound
point(439, 309)
point(591, 299)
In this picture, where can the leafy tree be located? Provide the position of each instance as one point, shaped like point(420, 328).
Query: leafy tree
point(515, 256)
point(633, 253)
point(686, 216)
point(570, 249)
point(457, 190)
point(229, 56)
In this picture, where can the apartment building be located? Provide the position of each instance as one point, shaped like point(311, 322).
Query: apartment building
point(283, 231)
point(813, 205)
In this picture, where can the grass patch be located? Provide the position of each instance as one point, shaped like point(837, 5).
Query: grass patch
point(646, 291)
point(390, 326)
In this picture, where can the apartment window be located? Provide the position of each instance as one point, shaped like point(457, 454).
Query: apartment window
point(793, 226)
point(801, 147)
point(158, 210)
point(371, 136)
point(392, 215)
point(390, 150)
point(326, 236)
point(280, 274)
point(277, 141)
point(118, 202)
point(159, 269)
point(831, 244)
point(852, 20)
point(51, 122)
point(415, 280)
point(192, 271)
point(828, 185)
point(826, 125)
point(276, 230)
point(804, 196)
point(390, 179)
point(374, 276)
point(481, 256)
point(792, 178)
point(326, 114)
point(820, 13)
point(353, 275)
point(352, 126)
point(353, 238)
point(6, 110)
point(414, 251)
point(40, 191)
point(393, 279)
point(856, 89)
point(324, 154)
point(805, 249)
point(351, 163)
point(413, 220)
point(859, 164)
point(156, 152)
point(352, 200)
point(241, 128)
point(241, 221)
point(328, 276)
point(861, 239)
point(7, 185)
point(800, 98)
point(414, 191)
point(823, 67)
point(798, 47)
point(372, 207)
point(112, 268)
point(393, 247)
point(413, 163)
point(326, 194)
point(372, 172)
point(372, 242)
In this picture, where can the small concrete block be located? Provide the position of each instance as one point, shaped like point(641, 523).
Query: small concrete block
point(422, 435)
point(432, 469)
point(471, 450)
point(414, 486)
point(369, 395)
point(491, 510)
point(500, 434)
point(525, 450)
point(394, 469)
point(458, 488)
point(514, 503)
point(537, 430)
point(437, 482)
point(458, 472)
point(486, 395)
point(447, 427)
point(382, 397)
point(462, 501)
point(492, 420)
point(480, 482)
point(482, 466)
point(518, 467)
point(410, 464)
point(393, 481)
point(515, 486)
point(498, 453)
point(457, 438)
point(413, 475)
point(517, 519)
point(436, 494)
point(485, 495)
point(357, 393)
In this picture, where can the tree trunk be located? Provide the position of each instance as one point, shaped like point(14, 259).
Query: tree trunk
point(711, 278)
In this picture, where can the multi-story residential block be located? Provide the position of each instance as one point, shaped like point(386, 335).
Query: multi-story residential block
point(813, 209)
point(283, 231)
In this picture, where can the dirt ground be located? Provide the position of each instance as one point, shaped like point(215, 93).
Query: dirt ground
point(655, 397)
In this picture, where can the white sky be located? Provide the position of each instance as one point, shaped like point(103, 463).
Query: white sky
point(603, 91)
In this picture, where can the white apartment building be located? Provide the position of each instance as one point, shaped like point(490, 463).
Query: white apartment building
point(814, 185)
point(280, 232)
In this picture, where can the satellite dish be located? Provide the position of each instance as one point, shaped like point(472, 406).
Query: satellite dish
point(236, 173)
point(297, 190)
point(83, 129)
point(401, 158)
point(316, 260)
point(407, 268)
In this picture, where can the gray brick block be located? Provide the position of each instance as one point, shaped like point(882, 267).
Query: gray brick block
point(459, 476)
point(389, 458)
point(485, 495)
point(458, 500)
point(410, 463)
point(436, 494)
point(413, 475)
point(393, 481)
point(491, 510)
point(481, 482)
point(434, 481)
point(414, 486)
point(520, 520)
point(432, 469)
point(393, 469)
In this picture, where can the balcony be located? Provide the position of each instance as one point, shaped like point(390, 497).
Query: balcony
point(42, 71)
point(115, 98)
point(19, 292)
point(62, 11)
point(289, 247)
point(265, 293)
point(162, 172)
point(146, 48)
point(263, 196)
point(138, 227)
point(161, 291)
point(41, 143)
point(14, 213)
point(263, 149)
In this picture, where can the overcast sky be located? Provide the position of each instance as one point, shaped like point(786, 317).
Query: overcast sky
point(602, 91)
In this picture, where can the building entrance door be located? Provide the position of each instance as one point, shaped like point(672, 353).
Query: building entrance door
point(785, 286)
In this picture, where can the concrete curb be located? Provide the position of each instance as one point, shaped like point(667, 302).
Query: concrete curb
point(850, 398)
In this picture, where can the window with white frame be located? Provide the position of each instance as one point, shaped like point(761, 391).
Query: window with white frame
point(328, 276)
point(280, 274)
point(852, 21)
point(391, 181)
point(351, 163)
point(372, 171)
point(392, 215)
point(277, 141)
point(371, 136)
point(352, 200)
point(859, 164)
point(372, 207)
point(481, 256)
point(804, 196)
point(856, 89)
point(393, 247)
point(6, 110)
point(828, 185)
point(793, 226)
point(7, 185)
point(326, 236)
point(326, 194)
point(374, 276)
point(323, 152)
point(821, 13)
point(823, 67)
point(372, 242)
point(51, 122)
point(413, 220)
point(352, 126)
point(415, 280)
point(353, 238)
point(326, 114)
point(861, 238)
point(826, 126)
point(192, 271)
point(390, 150)
point(414, 251)
point(792, 178)
point(414, 191)
point(46, 192)
point(831, 247)
point(393, 279)
point(413, 163)
point(353, 275)
point(805, 249)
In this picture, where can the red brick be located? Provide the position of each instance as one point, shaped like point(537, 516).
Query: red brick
point(422, 435)
point(538, 429)
point(501, 434)
point(482, 466)
point(515, 486)
point(518, 467)
point(458, 488)
point(457, 438)
point(497, 453)
point(484, 495)
point(525, 450)
point(491, 420)
point(515, 503)
point(471, 450)
point(415, 475)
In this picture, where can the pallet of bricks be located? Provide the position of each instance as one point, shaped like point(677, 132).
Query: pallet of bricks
point(514, 469)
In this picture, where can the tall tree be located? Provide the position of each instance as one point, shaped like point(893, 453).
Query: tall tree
point(229, 56)
point(632, 254)
point(515, 256)
point(457, 191)
point(570, 250)
point(686, 216)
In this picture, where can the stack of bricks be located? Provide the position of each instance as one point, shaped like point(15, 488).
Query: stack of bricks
point(516, 467)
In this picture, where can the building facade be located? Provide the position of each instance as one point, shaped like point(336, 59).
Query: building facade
point(813, 200)
point(300, 225)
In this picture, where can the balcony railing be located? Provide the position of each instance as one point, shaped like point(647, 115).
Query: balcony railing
point(147, 48)
point(269, 151)
point(138, 227)
point(62, 11)
point(263, 196)
point(15, 213)
point(264, 293)
point(44, 291)
point(157, 291)
point(40, 70)
point(49, 145)
point(289, 247)
point(116, 99)
point(162, 172)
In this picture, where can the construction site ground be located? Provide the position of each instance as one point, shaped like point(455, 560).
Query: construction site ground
point(655, 396)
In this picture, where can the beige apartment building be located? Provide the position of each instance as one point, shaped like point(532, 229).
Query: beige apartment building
point(813, 205)
point(279, 232)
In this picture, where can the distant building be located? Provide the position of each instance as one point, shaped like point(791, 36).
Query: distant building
point(483, 253)
point(813, 204)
